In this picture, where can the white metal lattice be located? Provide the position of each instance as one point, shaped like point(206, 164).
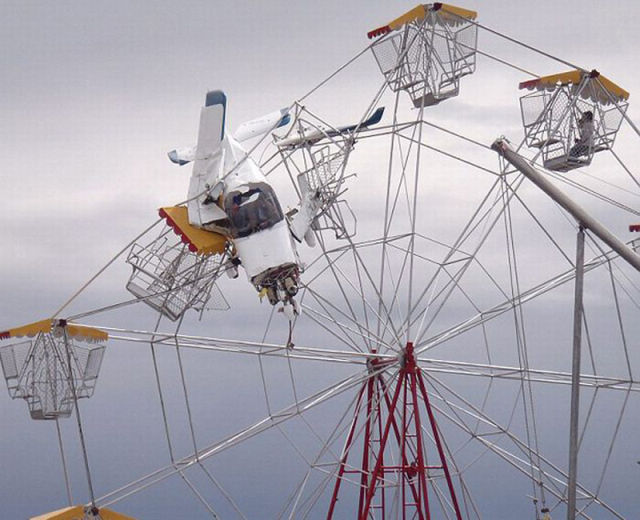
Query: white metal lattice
point(171, 279)
point(557, 123)
point(38, 371)
point(428, 58)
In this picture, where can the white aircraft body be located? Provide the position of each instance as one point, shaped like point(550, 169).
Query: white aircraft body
point(230, 195)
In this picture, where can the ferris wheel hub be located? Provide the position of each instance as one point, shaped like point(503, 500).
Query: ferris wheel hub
point(408, 360)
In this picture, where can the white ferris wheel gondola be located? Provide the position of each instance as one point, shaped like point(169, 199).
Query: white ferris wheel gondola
point(572, 116)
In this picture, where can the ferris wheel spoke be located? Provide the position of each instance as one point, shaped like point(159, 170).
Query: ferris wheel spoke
point(338, 276)
point(384, 312)
point(481, 216)
point(340, 467)
point(383, 308)
point(490, 223)
point(385, 326)
point(359, 290)
point(515, 373)
point(554, 483)
point(256, 428)
point(386, 220)
point(394, 191)
point(443, 294)
point(480, 417)
point(366, 306)
point(326, 319)
point(429, 343)
point(254, 348)
point(613, 439)
point(526, 394)
point(293, 502)
point(621, 331)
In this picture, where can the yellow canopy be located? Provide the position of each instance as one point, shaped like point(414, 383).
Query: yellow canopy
point(77, 513)
point(449, 14)
point(68, 513)
point(575, 77)
point(199, 241)
point(79, 332)
point(417, 13)
point(453, 15)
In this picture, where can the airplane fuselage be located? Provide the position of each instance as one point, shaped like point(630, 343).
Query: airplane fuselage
point(255, 223)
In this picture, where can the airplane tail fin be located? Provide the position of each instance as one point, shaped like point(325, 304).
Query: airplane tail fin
point(212, 123)
point(212, 128)
point(211, 132)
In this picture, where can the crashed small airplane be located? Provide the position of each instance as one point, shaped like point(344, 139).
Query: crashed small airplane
point(229, 195)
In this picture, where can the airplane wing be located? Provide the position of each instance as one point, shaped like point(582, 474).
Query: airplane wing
point(313, 135)
point(263, 124)
point(374, 119)
point(208, 160)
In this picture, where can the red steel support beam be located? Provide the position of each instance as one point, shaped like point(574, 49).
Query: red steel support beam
point(403, 418)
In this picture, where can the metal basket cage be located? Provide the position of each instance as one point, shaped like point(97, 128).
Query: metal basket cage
point(171, 279)
point(551, 124)
point(326, 174)
point(38, 372)
point(427, 59)
point(323, 171)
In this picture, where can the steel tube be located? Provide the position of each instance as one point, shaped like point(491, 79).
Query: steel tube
point(584, 219)
point(575, 379)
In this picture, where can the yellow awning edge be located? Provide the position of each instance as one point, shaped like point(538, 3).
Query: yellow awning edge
point(575, 77)
point(84, 333)
point(68, 513)
point(455, 15)
point(449, 14)
point(79, 332)
point(31, 330)
point(107, 514)
point(78, 513)
point(417, 13)
point(198, 240)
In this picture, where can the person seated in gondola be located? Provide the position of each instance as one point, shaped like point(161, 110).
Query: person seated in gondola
point(586, 130)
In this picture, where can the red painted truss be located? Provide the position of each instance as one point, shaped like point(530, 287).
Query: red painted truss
point(394, 474)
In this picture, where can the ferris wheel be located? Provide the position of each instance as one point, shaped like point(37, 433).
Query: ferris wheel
point(416, 333)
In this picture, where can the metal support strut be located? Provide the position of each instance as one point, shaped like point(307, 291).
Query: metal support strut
point(585, 221)
point(575, 378)
point(583, 217)
point(394, 420)
point(74, 393)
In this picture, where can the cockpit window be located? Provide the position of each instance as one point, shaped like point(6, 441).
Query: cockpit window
point(252, 210)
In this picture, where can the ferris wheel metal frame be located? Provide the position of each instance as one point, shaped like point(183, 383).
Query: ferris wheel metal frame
point(383, 317)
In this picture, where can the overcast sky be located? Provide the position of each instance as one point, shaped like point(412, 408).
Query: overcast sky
point(95, 94)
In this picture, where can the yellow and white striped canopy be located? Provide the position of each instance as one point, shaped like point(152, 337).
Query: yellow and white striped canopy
point(78, 332)
point(606, 92)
